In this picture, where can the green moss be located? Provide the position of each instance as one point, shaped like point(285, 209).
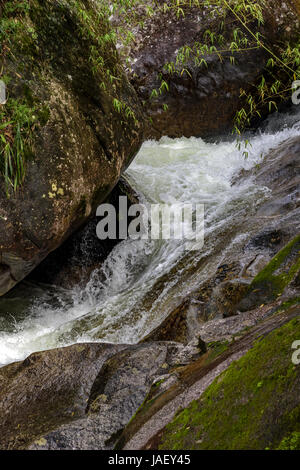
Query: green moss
point(290, 442)
point(89, 24)
point(279, 272)
point(289, 303)
point(20, 114)
point(43, 41)
point(274, 279)
point(215, 349)
point(254, 404)
point(44, 115)
point(17, 120)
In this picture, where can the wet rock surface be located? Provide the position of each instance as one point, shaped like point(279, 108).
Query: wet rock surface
point(263, 296)
point(73, 262)
point(98, 396)
point(47, 389)
point(258, 269)
point(116, 394)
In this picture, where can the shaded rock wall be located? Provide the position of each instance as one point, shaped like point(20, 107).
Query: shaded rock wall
point(202, 101)
point(64, 69)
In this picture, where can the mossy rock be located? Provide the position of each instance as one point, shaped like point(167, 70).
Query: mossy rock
point(75, 125)
point(280, 273)
point(254, 404)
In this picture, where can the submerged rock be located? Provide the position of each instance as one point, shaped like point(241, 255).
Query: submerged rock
point(83, 126)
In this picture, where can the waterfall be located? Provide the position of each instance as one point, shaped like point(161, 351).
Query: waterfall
point(142, 281)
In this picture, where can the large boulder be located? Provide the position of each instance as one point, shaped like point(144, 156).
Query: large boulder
point(47, 390)
point(201, 100)
point(79, 397)
point(96, 396)
point(71, 118)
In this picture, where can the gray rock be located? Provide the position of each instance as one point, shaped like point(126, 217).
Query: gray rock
point(78, 397)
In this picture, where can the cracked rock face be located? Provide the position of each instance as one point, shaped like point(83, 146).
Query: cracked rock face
point(83, 144)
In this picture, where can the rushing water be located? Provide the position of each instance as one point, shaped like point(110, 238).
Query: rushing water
point(141, 281)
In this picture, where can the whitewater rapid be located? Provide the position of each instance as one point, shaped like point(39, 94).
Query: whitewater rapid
point(141, 281)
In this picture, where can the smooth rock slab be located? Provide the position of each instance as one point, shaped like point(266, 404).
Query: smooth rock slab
point(46, 390)
point(78, 397)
